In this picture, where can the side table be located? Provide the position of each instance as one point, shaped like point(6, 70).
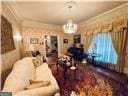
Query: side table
point(94, 55)
point(64, 66)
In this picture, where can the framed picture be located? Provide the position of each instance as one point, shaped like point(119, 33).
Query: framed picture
point(7, 41)
point(77, 38)
point(65, 40)
point(34, 40)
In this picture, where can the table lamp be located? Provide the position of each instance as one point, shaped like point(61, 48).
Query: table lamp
point(93, 46)
point(84, 61)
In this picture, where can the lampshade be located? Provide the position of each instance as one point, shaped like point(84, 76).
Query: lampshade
point(84, 61)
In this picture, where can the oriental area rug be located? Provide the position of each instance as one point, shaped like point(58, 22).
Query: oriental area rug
point(87, 81)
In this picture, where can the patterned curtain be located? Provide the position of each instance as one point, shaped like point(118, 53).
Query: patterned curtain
point(120, 39)
point(87, 42)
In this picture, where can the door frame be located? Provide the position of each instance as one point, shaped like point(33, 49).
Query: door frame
point(58, 41)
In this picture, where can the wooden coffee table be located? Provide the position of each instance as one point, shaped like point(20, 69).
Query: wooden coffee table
point(66, 67)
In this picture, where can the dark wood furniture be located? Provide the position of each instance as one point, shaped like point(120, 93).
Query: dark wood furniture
point(77, 53)
point(71, 67)
point(64, 66)
point(94, 55)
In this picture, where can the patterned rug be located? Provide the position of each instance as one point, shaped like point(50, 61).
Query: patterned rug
point(85, 75)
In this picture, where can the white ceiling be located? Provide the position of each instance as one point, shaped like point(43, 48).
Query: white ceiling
point(56, 13)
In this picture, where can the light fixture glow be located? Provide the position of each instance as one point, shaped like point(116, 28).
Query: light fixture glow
point(70, 27)
point(18, 37)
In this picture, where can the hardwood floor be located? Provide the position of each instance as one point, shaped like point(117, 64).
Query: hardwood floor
point(51, 60)
point(114, 75)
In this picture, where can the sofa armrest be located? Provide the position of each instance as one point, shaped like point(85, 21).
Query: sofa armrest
point(42, 91)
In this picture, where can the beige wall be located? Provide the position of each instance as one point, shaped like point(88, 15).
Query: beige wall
point(8, 59)
point(39, 32)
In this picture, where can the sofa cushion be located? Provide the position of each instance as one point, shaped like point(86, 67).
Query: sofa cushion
point(23, 71)
point(34, 81)
point(43, 73)
point(41, 91)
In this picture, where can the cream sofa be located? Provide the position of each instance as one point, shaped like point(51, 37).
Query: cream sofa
point(23, 71)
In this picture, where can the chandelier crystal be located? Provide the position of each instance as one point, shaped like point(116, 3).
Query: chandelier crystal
point(70, 27)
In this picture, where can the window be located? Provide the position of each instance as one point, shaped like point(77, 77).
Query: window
point(104, 47)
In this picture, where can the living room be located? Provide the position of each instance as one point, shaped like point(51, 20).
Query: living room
point(88, 58)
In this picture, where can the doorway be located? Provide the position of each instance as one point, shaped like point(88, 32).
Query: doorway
point(51, 46)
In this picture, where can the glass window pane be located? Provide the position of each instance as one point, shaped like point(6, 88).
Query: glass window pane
point(104, 47)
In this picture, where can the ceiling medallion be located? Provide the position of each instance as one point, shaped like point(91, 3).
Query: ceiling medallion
point(70, 27)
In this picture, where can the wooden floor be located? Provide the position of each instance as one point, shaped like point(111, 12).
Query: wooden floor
point(115, 75)
point(51, 59)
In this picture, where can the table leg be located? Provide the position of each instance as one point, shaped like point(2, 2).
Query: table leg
point(75, 74)
point(65, 70)
point(93, 61)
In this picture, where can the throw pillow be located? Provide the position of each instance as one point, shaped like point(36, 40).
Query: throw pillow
point(33, 81)
point(39, 57)
point(37, 85)
point(36, 62)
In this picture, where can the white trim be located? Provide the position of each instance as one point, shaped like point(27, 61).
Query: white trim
point(12, 11)
point(40, 25)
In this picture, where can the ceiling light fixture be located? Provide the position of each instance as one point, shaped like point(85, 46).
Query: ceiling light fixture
point(70, 27)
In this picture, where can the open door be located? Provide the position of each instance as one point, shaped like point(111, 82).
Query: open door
point(51, 46)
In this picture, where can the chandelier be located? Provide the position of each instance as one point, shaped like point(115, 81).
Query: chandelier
point(70, 27)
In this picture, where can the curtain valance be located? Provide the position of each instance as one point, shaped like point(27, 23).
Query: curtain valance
point(114, 20)
point(106, 26)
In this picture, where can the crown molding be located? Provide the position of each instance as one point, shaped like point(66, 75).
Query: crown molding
point(28, 23)
point(24, 22)
point(102, 14)
point(19, 20)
